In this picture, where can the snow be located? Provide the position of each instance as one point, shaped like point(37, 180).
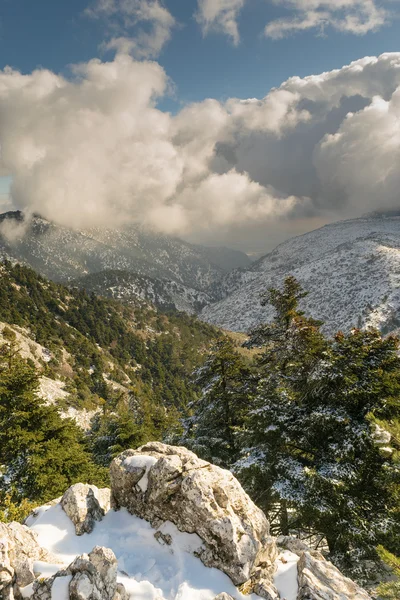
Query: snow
point(60, 588)
point(351, 270)
point(141, 462)
point(148, 569)
point(286, 575)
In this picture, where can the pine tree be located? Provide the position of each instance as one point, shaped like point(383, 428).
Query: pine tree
point(41, 454)
point(217, 415)
point(291, 346)
point(310, 434)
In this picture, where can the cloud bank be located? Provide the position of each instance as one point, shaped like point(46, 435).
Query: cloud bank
point(94, 149)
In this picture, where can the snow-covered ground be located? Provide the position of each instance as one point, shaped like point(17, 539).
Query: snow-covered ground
point(351, 270)
point(148, 569)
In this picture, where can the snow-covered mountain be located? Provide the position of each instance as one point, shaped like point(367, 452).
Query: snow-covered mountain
point(351, 270)
point(131, 287)
point(63, 254)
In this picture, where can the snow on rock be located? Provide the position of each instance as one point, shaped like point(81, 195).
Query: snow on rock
point(19, 548)
point(192, 510)
point(89, 577)
point(198, 498)
point(319, 579)
point(132, 463)
point(148, 570)
point(85, 504)
point(285, 579)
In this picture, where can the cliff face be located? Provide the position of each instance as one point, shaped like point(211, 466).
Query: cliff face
point(172, 527)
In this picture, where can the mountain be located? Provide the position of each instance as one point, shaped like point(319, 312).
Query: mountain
point(94, 353)
point(131, 287)
point(351, 270)
point(63, 254)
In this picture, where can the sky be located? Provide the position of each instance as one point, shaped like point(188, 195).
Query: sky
point(237, 122)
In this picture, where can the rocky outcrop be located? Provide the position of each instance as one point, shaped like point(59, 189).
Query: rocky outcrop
point(166, 483)
point(84, 505)
point(19, 549)
point(319, 579)
point(292, 544)
point(89, 577)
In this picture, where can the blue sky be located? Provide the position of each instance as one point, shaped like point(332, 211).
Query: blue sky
point(128, 140)
point(54, 34)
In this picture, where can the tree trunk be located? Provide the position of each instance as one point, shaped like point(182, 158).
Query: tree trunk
point(284, 518)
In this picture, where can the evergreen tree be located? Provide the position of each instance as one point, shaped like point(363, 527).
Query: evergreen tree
point(291, 346)
point(217, 415)
point(310, 437)
point(41, 454)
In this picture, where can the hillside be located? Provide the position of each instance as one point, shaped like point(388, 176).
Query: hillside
point(351, 270)
point(63, 254)
point(131, 287)
point(92, 352)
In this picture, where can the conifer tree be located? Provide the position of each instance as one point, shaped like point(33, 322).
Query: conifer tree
point(217, 414)
point(41, 454)
point(310, 437)
point(291, 346)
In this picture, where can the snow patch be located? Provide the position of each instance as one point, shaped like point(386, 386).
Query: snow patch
point(148, 570)
point(285, 579)
point(142, 462)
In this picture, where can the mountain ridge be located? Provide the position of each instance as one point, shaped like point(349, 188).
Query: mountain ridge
point(350, 269)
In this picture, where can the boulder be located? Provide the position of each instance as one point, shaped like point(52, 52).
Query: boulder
point(89, 577)
point(85, 504)
point(319, 579)
point(159, 482)
point(19, 549)
point(292, 544)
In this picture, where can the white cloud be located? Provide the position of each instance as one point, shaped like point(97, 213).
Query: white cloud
point(351, 16)
point(220, 16)
point(361, 160)
point(95, 149)
point(122, 16)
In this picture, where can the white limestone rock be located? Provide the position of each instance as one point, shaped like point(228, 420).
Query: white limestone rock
point(319, 579)
point(85, 504)
point(161, 482)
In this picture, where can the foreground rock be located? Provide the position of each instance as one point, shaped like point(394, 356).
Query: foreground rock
point(84, 505)
point(90, 577)
point(19, 549)
point(161, 483)
point(319, 579)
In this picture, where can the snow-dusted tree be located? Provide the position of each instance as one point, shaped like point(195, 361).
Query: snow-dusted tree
point(291, 347)
point(310, 436)
point(217, 414)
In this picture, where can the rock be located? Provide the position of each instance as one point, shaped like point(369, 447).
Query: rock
point(319, 579)
point(89, 577)
point(171, 483)
point(85, 504)
point(19, 549)
point(293, 544)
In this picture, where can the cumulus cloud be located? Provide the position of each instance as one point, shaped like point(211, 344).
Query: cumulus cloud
point(351, 16)
point(123, 17)
point(361, 160)
point(220, 16)
point(94, 149)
